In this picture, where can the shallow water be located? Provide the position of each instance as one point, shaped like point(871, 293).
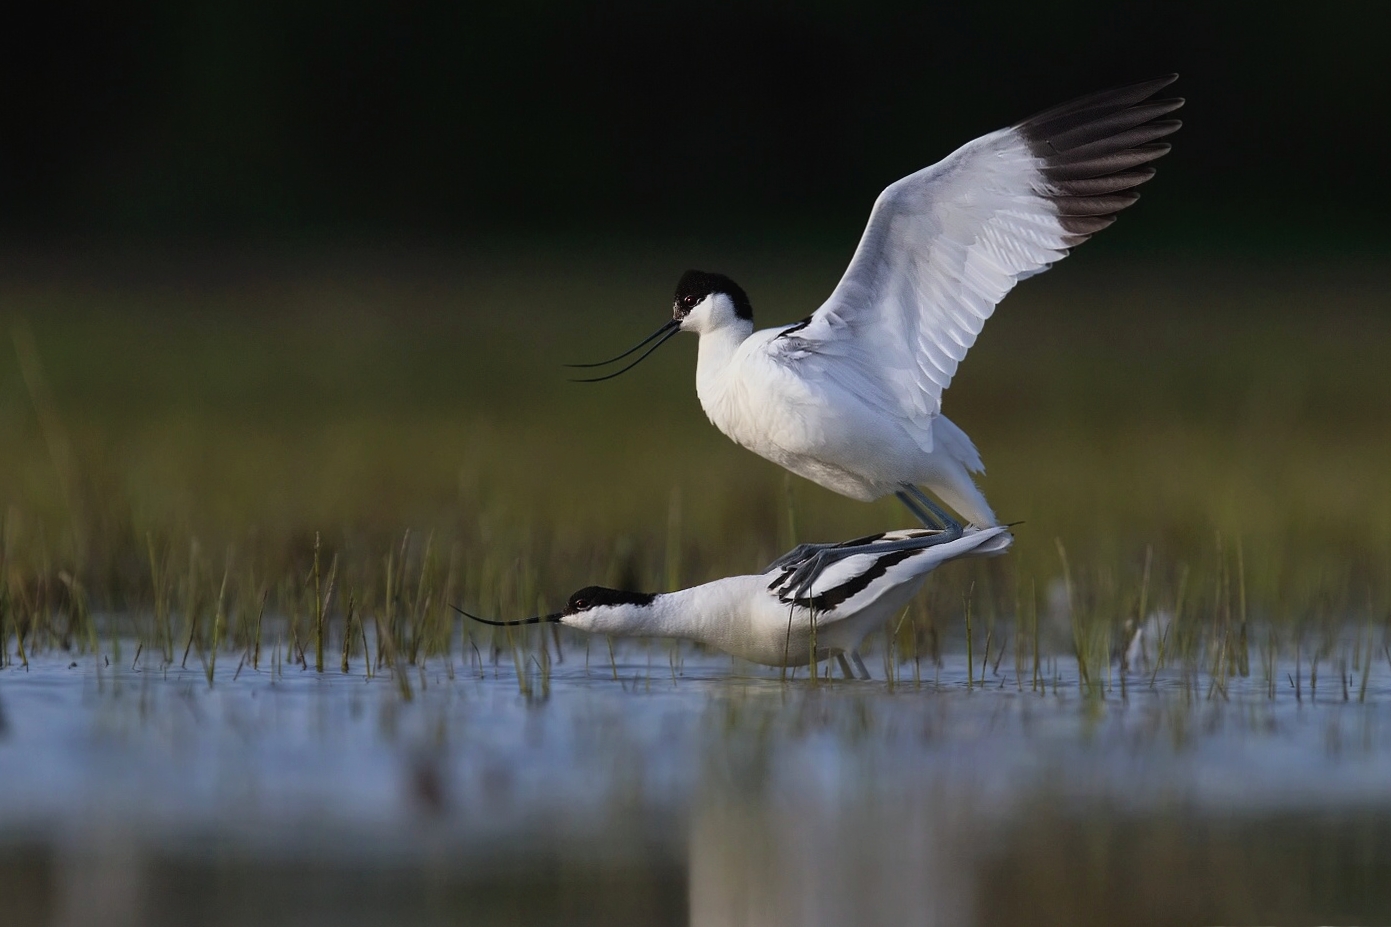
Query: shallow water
point(689, 789)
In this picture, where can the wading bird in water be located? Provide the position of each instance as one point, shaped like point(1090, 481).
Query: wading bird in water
point(764, 619)
point(851, 396)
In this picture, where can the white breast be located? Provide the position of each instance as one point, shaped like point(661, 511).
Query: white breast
point(809, 426)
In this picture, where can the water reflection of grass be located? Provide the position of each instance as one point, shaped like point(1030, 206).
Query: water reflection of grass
point(1206, 445)
point(1292, 867)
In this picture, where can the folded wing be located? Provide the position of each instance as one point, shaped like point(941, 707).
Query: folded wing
point(860, 578)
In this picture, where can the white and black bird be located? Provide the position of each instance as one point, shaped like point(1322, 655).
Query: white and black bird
point(851, 396)
point(762, 619)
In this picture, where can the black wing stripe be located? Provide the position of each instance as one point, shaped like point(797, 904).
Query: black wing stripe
point(793, 329)
point(867, 539)
point(837, 595)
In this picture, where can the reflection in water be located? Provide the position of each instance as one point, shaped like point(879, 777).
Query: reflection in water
point(1269, 867)
point(146, 797)
point(803, 861)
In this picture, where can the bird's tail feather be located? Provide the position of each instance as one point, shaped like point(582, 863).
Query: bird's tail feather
point(954, 484)
point(963, 497)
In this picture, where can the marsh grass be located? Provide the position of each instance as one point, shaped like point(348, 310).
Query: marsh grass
point(376, 446)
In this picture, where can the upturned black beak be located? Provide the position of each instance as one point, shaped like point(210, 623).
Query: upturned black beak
point(538, 619)
point(661, 335)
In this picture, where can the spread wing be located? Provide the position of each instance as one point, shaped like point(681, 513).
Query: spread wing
point(944, 245)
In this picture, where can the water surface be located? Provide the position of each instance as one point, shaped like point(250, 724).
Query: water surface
point(689, 788)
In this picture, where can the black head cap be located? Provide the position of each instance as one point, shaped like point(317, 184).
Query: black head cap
point(695, 285)
point(591, 596)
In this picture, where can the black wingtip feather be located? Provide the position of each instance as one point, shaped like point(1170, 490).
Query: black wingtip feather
point(1093, 205)
point(1094, 150)
point(1106, 143)
point(1083, 227)
point(1092, 124)
point(1114, 98)
point(1109, 183)
point(1062, 170)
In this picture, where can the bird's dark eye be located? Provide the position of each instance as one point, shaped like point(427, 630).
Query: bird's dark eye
point(688, 300)
point(581, 604)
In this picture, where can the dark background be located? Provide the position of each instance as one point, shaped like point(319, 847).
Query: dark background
point(331, 121)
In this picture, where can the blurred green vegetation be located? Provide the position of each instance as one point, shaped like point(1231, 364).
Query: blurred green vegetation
point(1228, 424)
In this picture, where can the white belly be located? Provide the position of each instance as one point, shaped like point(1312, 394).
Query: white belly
point(832, 440)
point(779, 636)
point(830, 435)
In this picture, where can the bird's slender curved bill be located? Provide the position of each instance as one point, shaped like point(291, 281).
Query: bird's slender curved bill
point(537, 619)
point(666, 326)
point(662, 334)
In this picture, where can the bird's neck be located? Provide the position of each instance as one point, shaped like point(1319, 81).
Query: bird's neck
point(717, 349)
point(707, 614)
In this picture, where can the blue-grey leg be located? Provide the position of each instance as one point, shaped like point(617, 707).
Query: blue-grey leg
point(811, 559)
point(924, 519)
point(803, 551)
point(913, 497)
point(844, 666)
point(860, 665)
point(928, 513)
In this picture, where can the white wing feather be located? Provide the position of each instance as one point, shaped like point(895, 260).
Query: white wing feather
point(944, 245)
